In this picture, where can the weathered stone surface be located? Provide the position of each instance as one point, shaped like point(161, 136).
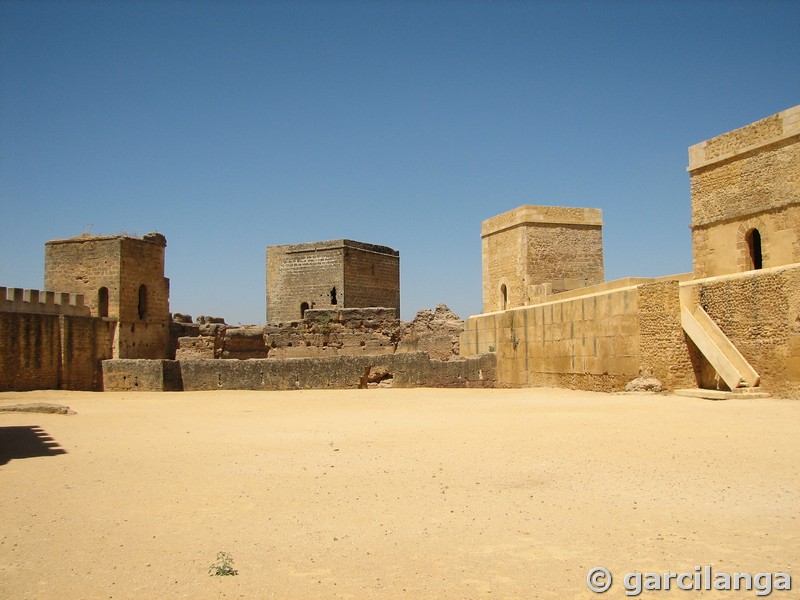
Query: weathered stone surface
point(404, 370)
point(335, 332)
point(182, 318)
point(433, 331)
point(244, 343)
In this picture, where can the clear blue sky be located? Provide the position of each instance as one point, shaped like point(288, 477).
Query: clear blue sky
point(230, 126)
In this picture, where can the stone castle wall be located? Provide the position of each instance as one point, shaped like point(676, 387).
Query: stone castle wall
point(50, 351)
point(603, 340)
point(742, 180)
point(599, 341)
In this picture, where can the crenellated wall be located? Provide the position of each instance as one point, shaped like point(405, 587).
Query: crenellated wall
point(42, 302)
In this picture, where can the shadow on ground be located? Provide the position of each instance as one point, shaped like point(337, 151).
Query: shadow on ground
point(26, 441)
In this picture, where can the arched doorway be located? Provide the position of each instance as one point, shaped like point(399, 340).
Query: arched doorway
point(303, 309)
point(504, 296)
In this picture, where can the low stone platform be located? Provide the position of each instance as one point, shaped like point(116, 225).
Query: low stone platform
point(738, 394)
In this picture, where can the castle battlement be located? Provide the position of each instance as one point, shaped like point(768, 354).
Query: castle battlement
point(42, 302)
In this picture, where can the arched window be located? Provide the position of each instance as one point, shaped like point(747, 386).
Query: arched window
point(142, 308)
point(102, 302)
point(504, 296)
point(333, 296)
point(753, 238)
point(303, 309)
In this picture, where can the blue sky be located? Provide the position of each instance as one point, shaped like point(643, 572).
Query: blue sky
point(230, 126)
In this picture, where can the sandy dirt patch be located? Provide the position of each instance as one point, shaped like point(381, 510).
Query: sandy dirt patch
point(391, 493)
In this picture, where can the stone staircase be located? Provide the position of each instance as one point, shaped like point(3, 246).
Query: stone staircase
point(720, 352)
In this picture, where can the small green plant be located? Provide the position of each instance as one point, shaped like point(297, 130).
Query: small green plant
point(223, 566)
point(491, 348)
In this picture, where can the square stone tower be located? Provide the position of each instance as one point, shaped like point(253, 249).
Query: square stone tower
point(122, 278)
point(745, 188)
point(340, 273)
point(533, 251)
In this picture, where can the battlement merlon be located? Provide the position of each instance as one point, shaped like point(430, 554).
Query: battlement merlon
point(42, 302)
point(335, 245)
point(152, 238)
point(768, 131)
point(542, 215)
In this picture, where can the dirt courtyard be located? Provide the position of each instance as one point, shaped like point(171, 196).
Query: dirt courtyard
point(415, 493)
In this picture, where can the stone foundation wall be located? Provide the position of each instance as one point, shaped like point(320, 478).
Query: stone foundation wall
point(415, 369)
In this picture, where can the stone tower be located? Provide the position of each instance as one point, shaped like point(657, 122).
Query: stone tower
point(746, 197)
point(336, 273)
point(534, 251)
point(121, 278)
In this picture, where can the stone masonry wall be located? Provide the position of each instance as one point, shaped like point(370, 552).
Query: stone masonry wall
point(371, 278)
point(556, 252)
point(339, 372)
point(83, 266)
point(744, 179)
point(759, 312)
point(302, 273)
point(590, 342)
point(535, 248)
point(121, 264)
point(332, 274)
point(47, 351)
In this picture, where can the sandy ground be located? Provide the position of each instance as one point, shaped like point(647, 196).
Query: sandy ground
point(392, 493)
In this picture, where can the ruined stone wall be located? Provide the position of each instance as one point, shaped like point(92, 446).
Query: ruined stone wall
point(47, 351)
point(535, 248)
point(335, 332)
point(336, 273)
point(339, 372)
point(759, 312)
point(326, 333)
point(747, 179)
